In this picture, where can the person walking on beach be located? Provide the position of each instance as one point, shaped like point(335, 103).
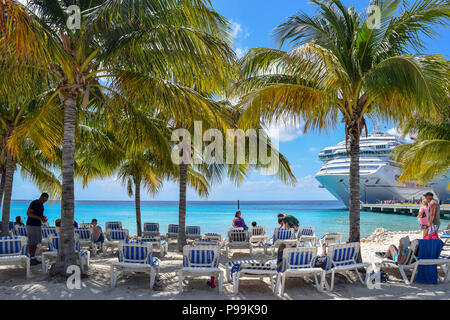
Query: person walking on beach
point(434, 214)
point(423, 217)
point(35, 214)
point(238, 221)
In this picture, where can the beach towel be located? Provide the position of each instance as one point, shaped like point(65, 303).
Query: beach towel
point(429, 249)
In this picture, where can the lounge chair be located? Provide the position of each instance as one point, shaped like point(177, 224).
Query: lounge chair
point(307, 235)
point(172, 231)
point(84, 225)
point(281, 235)
point(86, 238)
point(200, 261)
point(20, 231)
point(299, 262)
point(53, 246)
point(158, 245)
point(151, 229)
point(252, 269)
point(207, 242)
point(114, 237)
point(258, 235)
point(135, 257)
point(46, 233)
point(412, 262)
point(13, 251)
point(330, 238)
point(214, 236)
point(193, 232)
point(113, 225)
point(238, 238)
point(342, 258)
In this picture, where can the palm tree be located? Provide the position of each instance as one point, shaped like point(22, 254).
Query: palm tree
point(343, 67)
point(136, 46)
point(429, 156)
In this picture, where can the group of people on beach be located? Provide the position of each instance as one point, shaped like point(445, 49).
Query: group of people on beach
point(284, 220)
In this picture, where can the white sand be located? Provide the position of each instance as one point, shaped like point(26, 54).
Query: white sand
point(96, 285)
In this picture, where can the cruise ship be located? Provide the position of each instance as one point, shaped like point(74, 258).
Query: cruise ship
point(379, 174)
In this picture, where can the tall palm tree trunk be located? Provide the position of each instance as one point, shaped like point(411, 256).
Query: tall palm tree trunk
point(137, 200)
point(2, 185)
point(8, 179)
point(182, 208)
point(66, 252)
point(354, 133)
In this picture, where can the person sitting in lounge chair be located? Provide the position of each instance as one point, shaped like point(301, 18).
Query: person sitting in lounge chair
point(98, 233)
point(18, 221)
point(399, 254)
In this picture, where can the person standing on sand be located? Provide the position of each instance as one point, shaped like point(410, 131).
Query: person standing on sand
point(423, 217)
point(35, 214)
point(434, 214)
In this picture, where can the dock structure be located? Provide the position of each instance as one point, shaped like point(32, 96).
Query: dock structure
point(400, 208)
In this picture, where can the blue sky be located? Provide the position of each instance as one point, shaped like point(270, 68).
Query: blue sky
point(252, 23)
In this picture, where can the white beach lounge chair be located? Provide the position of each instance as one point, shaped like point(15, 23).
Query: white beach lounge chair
point(307, 235)
point(113, 238)
point(238, 238)
point(158, 245)
point(252, 269)
point(86, 238)
point(20, 231)
point(151, 229)
point(193, 232)
point(113, 225)
point(341, 258)
point(281, 235)
point(258, 235)
point(51, 255)
point(135, 257)
point(13, 251)
point(46, 232)
point(172, 231)
point(299, 262)
point(200, 261)
point(413, 262)
point(330, 238)
point(84, 225)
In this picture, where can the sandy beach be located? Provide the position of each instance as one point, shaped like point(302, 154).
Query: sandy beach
point(96, 284)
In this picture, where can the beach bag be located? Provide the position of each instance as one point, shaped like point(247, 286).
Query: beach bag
point(434, 235)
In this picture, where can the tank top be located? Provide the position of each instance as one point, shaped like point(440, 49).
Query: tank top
point(437, 215)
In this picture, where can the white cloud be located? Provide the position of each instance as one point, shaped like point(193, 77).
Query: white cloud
point(396, 132)
point(237, 31)
point(240, 52)
point(312, 149)
point(284, 130)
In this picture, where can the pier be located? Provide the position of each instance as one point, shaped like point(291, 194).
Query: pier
point(400, 208)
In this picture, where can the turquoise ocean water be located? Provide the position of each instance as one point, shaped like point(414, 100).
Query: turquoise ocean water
point(216, 216)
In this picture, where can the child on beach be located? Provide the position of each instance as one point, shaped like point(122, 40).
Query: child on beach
point(423, 217)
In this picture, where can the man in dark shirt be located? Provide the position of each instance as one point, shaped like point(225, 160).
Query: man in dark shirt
point(36, 216)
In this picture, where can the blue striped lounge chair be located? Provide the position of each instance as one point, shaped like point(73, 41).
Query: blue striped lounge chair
point(238, 238)
point(251, 269)
point(114, 237)
point(206, 242)
point(299, 262)
point(341, 258)
point(51, 255)
point(413, 262)
point(281, 235)
point(172, 231)
point(193, 232)
point(20, 231)
point(151, 229)
point(46, 232)
point(113, 225)
point(135, 257)
point(86, 238)
point(200, 261)
point(13, 251)
point(307, 235)
point(330, 238)
point(158, 245)
point(214, 236)
point(84, 225)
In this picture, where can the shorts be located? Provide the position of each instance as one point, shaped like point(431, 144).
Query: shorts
point(433, 228)
point(34, 235)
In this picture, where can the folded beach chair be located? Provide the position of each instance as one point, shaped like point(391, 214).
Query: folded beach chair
point(238, 238)
point(207, 242)
point(307, 235)
point(151, 229)
point(281, 235)
point(258, 235)
point(172, 231)
point(53, 246)
point(330, 238)
point(20, 231)
point(114, 237)
point(193, 232)
point(342, 258)
point(300, 262)
point(113, 225)
point(200, 261)
point(135, 257)
point(13, 251)
point(46, 233)
point(86, 238)
point(158, 245)
point(413, 262)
